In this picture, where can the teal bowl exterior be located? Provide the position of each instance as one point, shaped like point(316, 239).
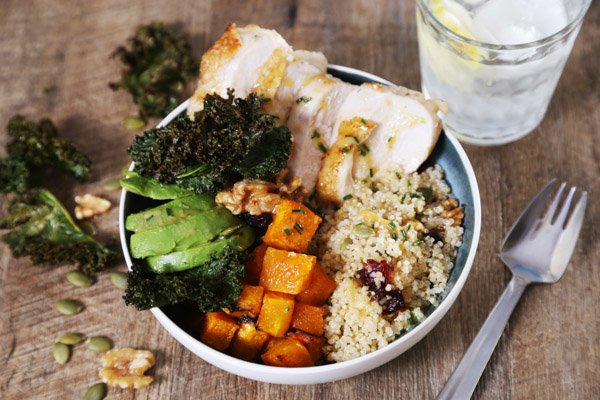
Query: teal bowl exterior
point(449, 154)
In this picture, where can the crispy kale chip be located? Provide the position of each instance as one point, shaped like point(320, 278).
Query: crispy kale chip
point(42, 229)
point(158, 64)
point(35, 147)
point(229, 140)
point(14, 176)
point(212, 285)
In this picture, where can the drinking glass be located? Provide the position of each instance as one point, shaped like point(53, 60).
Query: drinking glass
point(495, 62)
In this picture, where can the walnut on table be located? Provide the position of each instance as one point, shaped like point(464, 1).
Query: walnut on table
point(125, 368)
point(89, 205)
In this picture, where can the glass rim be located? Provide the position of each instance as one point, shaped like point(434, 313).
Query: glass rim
point(423, 7)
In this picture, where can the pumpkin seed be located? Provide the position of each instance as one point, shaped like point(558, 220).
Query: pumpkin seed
point(69, 307)
point(71, 338)
point(133, 123)
point(99, 344)
point(363, 230)
point(95, 392)
point(79, 279)
point(119, 279)
point(61, 352)
point(112, 184)
point(345, 243)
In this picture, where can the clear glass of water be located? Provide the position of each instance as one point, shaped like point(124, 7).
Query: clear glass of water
point(495, 62)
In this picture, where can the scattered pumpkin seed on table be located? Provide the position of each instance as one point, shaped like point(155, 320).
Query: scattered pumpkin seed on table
point(69, 307)
point(79, 279)
point(95, 392)
point(61, 352)
point(112, 184)
point(99, 344)
point(71, 338)
point(119, 279)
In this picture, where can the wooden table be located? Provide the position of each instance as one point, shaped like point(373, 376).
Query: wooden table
point(550, 348)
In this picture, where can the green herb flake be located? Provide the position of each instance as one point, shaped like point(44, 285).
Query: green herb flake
point(297, 210)
point(303, 99)
point(392, 225)
point(394, 236)
point(322, 148)
point(355, 139)
point(299, 226)
point(403, 198)
point(408, 227)
point(133, 123)
point(315, 134)
point(398, 175)
point(287, 232)
point(371, 172)
point(417, 242)
point(403, 233)
point(346, 150)
point(389, 139)
point(363, 121)
point(347, 197)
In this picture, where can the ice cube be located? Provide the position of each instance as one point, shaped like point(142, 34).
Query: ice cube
point(519, 21)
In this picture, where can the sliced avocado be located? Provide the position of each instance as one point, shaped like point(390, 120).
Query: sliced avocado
point(182, 234)
point(169, 213)
point(152, 188)
point(197, 255)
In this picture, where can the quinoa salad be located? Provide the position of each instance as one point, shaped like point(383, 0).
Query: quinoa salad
point(390, 248)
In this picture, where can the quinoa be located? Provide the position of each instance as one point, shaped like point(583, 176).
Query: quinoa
point(397, 218)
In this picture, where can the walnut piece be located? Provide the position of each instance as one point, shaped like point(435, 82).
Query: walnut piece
point(125, 368)
point(452, 211)
point(89, 205)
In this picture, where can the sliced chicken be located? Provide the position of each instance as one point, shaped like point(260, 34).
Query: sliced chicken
point(335, 175)
point(248, 59)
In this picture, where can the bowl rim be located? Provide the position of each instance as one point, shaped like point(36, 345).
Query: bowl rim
point(344, 369)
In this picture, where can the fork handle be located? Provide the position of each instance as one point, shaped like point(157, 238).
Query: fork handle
point(464, 379)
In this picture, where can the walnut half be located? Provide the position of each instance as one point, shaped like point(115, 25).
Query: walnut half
point(452, 211)
point(125, 368)
point(89, 205)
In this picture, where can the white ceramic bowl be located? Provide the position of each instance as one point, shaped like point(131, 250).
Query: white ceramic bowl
point(460, 176)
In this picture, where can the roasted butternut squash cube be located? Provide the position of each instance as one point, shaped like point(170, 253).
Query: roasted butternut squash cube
point(254, 265)
point(251, 300)
point(276, 313)
point(248, 342)
point(320, 288)
point(218, 329)
point(286, 271)
point(286, 352)
point(308, 319)
point(313, 344)
point(292, 228)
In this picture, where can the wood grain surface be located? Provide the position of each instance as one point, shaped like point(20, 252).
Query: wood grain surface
point(550, 348)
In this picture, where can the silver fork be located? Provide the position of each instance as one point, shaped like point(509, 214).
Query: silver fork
point(537, 249)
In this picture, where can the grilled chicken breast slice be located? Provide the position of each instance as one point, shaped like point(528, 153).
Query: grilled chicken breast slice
point(249, 60)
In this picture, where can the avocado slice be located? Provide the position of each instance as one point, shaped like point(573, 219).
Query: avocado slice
point(197, 255)
point(169, 213)
point(182, 234)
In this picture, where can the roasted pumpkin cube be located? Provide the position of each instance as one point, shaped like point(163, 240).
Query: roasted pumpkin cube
point(320, 288)
point(292, 228)
point(251, 300)
point(313, 344)
point(286, 352)
point(308, 319)
point(286, 271)
point(218, 329)
point(276, 313)
point(248, 342)
point(254, 265)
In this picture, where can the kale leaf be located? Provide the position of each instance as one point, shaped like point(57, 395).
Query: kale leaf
point(158, 64)
point(212, 285)
point(228, 141)
point(34, 147)
point(42, 229)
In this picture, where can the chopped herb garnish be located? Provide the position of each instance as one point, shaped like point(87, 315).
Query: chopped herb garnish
point(371, 172)
point(363, 121)
point(403, 233)
point(394, 236)
point(322, 148)
point(298, 225)
point(408, 227)
point(398, 175)
point(346, 150)
point(392, 225)
point(303, 99)
point(297, 210)
point(402, 198)
point(417, 242)
point(355, 139)
point(315, 134)
point(364, 149)
point(416, 195)
point(347, 197)
point(287, 232)
point(390, 139)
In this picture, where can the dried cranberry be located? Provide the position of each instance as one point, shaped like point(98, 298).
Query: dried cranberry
point(394, 302)
point(260, 223)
